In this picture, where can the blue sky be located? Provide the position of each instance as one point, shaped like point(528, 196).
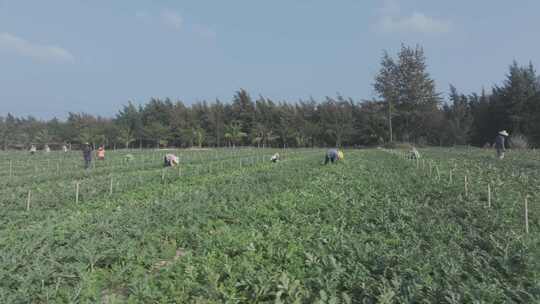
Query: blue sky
point(58, 56)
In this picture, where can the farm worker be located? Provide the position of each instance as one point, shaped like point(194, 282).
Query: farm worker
point(129, 157)
point(47, 149)
point(333, 155)
point(101, 153)
point(33, 149)
point(64, 148)
point(500, 143)
point(87, 155)
point(414, 154)
point(171, 160)
point(275, 158)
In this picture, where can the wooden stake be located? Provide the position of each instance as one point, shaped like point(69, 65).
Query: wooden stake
point(466, 186)
point(10, 168)
point(77, 186)
point(450, 181)
point(163, 175)
point(28, 200)
point(527, 214)
point(111, 186)
point(438, 173)
point(489, 195)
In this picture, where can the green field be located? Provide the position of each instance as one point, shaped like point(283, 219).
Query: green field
point(231, 227)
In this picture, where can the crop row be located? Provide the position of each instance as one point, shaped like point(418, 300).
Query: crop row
point(488, 182)
point(46, 197)
point(45, 165)
point(118, 164)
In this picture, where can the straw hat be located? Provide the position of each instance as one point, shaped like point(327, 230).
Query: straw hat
point(503, 133)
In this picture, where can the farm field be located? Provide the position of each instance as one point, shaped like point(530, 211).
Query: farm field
point(228, 226)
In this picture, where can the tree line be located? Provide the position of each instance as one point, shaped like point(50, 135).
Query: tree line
point(407, 109)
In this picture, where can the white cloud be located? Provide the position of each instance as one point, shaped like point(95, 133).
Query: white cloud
point(171, 19)
point(20, 46)
point(204, 32)
point(391, 20)
point(416, 23)
point(390, 7)
point(141, 14)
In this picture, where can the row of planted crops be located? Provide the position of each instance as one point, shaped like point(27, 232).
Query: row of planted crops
point(231, 227)
point(48, 180)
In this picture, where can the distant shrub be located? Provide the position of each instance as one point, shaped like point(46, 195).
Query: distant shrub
point(519, 141)
point(398, 145)
point(422, 141)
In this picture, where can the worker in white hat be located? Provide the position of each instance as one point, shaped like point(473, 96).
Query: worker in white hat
point(171, 160)
point(414, 154)
point(33, 149)
point(500, 143)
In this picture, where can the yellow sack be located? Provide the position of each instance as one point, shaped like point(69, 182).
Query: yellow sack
point(340, 155)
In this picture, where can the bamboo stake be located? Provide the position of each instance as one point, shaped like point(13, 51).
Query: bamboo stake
point(489, 195)
point(28, 200)
point(77, 186)
point(527, 214)
point(466, 184)
point(111, 186)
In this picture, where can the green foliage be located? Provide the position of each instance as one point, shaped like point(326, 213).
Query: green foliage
point(375, 229)
point(398, 145)
point(409, 91)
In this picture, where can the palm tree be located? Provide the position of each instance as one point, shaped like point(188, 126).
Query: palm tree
point(263, 135)
point(234, 133)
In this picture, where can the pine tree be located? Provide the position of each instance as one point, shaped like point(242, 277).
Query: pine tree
point(387, 86)
point(407, 86)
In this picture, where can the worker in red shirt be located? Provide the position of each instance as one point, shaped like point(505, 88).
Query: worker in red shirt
point(101, 153)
